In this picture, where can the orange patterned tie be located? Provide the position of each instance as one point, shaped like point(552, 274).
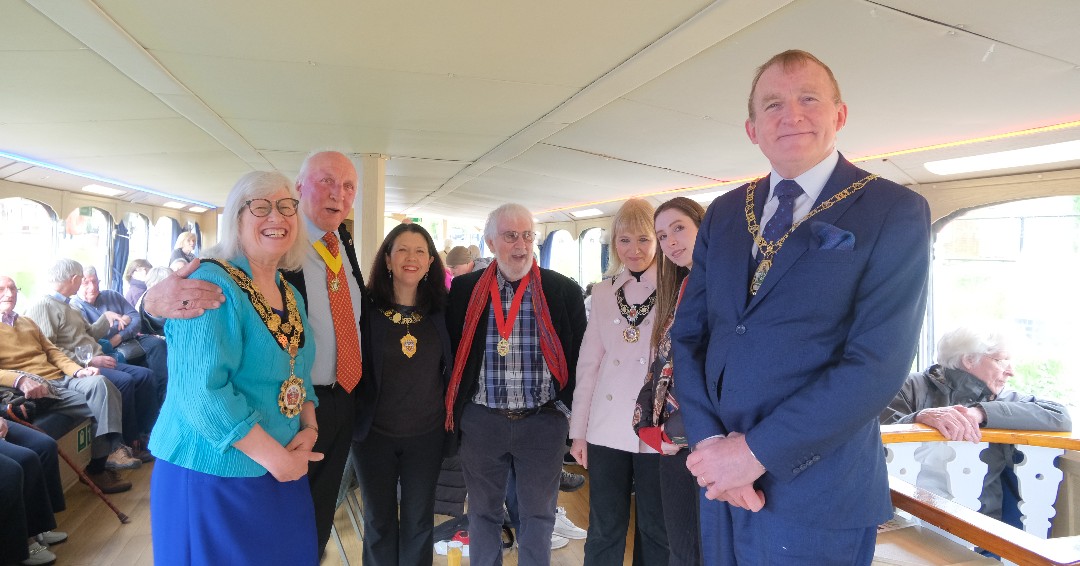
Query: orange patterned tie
point(349, 368)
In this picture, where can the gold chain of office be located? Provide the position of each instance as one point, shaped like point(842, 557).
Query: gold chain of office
point(769, 249)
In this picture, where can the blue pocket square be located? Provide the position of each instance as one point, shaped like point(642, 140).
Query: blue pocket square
point(829, 237)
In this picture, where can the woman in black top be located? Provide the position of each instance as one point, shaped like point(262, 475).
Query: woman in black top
point(399, 435)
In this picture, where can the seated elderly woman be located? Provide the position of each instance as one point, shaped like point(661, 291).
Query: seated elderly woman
point(238, 426)
point(964, 391)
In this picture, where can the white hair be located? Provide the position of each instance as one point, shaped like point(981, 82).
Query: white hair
point(257, 184)
point(504, 212)
point(955, 345)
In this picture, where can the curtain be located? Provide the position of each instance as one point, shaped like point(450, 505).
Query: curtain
point(120, 258)
point(545, 251)
point(198, 239)
point(604, 257)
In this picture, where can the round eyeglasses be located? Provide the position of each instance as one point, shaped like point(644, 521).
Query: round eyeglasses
point(261, 207)
point(511, 237)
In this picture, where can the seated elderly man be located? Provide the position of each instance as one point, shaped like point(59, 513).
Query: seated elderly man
point(964, 391)
point(64, 326)
point(461, 261)
point(39, 369)
point(95, 304)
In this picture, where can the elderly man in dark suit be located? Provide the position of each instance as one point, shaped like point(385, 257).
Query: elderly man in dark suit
point(797, 327)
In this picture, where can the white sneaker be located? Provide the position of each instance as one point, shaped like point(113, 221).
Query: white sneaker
point(564, 527)
point(558, 541)
point(39, 556)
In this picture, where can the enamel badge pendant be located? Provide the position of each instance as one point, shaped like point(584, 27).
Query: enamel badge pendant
point(292, 396)
point(503, 347)
point(759, 275)
point(408, 344)
point(631, 334)
point(335, 284)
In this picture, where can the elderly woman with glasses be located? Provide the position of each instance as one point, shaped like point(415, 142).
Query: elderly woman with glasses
point(963, 392)
point(236, 432)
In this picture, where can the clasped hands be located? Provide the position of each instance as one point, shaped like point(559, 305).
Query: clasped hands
point(954, 423)
point(727, 469)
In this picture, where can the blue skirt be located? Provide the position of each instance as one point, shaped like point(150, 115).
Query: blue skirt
point(199, 518)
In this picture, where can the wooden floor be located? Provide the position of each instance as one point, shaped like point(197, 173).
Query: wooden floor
point(98, 538)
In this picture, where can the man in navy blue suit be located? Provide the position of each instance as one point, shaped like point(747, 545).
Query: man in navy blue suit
point(798, 325)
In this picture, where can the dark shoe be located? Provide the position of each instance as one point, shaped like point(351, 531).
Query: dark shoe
point(108, 481)
point(570, 482)
point(142, 454)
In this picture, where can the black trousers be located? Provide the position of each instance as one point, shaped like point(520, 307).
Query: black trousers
point(679, 491)
point(615, 474)
point(398, 535)
point(334, 415)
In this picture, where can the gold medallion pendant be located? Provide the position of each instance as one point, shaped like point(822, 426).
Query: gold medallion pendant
point(631, 334)
point(408, 344)
point(335, 284)
point(292, 396)
point(503, 347)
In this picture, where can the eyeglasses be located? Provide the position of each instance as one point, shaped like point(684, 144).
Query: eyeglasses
point(512, 236)
point(1002, 362)
point(261, 207)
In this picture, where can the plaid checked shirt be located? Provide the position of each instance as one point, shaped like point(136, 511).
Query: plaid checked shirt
point(519, 380)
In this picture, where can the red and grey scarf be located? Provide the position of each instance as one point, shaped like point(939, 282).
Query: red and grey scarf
point(549, 341)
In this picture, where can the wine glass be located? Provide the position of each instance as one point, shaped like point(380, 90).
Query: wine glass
point(84, 353)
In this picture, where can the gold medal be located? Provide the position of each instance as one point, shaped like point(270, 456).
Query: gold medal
point(292, 396)
point(503, 347)
point(408, 344)
point(633, 314)
point(631, 334)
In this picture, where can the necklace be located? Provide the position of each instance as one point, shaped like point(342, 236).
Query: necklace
point(408, 342)
point(769, 249)
point(634, 314)
point(289, 334)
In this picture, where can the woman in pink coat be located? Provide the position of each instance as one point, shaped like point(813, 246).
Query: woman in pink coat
point(611, 368)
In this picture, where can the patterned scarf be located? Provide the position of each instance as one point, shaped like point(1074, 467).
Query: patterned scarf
point(549, 341)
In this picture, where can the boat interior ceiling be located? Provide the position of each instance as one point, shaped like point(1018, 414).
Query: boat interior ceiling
point(559, 105)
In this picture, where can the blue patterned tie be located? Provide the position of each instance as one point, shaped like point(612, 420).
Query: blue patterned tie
point(786, 191)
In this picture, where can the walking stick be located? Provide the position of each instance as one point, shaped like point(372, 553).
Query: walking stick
point(124, 519)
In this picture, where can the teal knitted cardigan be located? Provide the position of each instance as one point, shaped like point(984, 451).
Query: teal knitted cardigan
point(225, 373)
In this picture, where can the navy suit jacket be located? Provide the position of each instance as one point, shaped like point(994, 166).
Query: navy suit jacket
point(804, 367)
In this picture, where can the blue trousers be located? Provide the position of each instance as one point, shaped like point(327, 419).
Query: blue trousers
point(138, 392)
point(30, 482)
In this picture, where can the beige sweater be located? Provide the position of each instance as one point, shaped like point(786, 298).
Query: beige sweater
point(65, 326)
point(23, 347)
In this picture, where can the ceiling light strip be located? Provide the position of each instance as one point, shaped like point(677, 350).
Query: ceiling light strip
point(100, 179)
point(1006, 135)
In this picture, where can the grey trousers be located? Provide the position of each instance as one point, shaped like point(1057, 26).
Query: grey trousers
point(535, 444)
point(93, 396)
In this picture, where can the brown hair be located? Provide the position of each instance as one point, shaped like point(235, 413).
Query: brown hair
point(430, 293)
point(668, 275)
point(791, 59)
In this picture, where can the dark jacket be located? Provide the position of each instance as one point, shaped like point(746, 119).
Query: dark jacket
point(369, 387)
point(567, 317)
